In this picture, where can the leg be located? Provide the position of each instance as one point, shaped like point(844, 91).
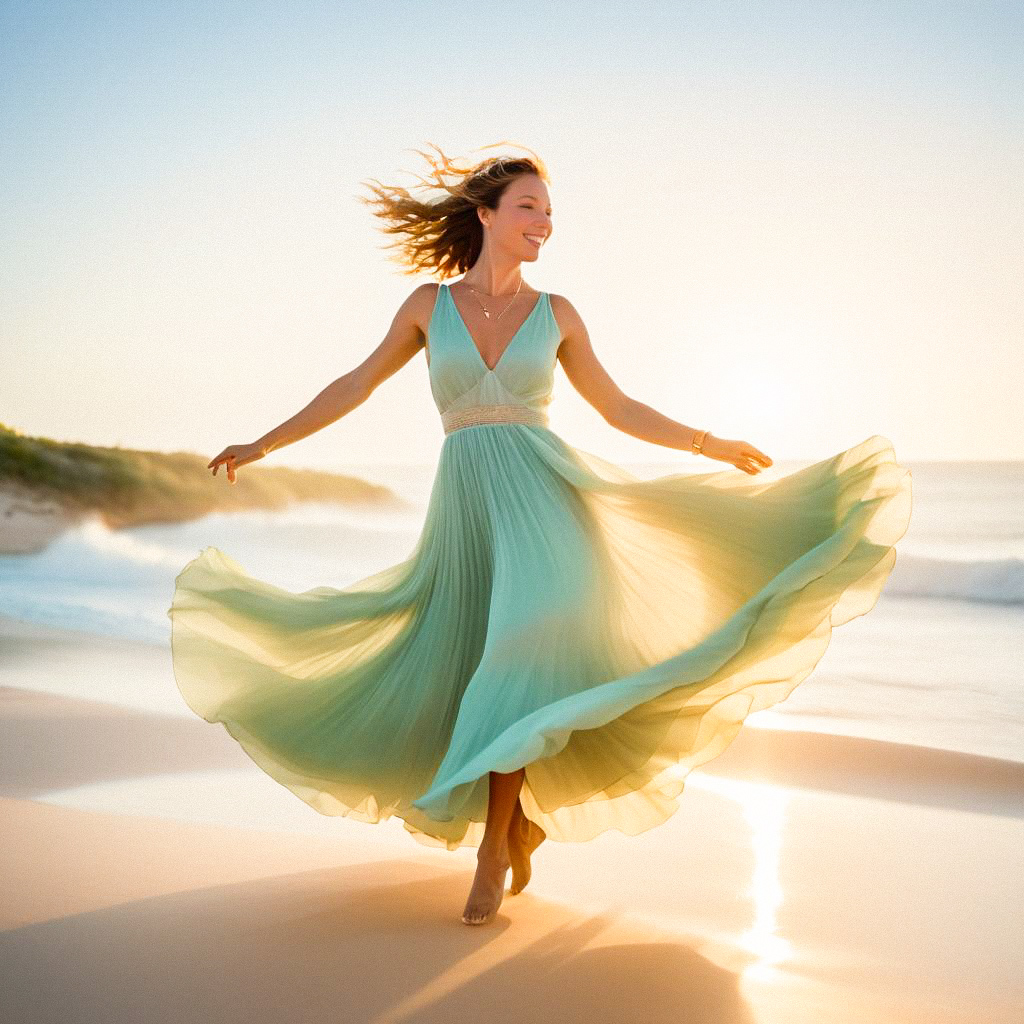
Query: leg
point(524, 836)
point(493, 855)
point(501, 805)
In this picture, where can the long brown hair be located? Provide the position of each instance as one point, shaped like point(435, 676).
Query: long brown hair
point(445, 235)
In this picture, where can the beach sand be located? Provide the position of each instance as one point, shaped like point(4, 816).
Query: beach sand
point(153, 873)
point(28, 521)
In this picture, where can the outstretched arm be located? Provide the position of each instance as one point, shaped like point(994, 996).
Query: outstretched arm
point(592, 381)
point(403, 340)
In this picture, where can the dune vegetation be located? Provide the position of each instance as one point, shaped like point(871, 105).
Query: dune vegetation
point(130, 487)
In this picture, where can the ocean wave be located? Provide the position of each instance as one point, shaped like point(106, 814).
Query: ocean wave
point(990, 581)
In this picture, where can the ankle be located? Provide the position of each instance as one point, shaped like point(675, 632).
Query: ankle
point(492, 856)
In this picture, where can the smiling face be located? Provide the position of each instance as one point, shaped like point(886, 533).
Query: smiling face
point(522, 222)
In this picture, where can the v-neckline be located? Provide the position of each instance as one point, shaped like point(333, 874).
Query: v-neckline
point(512, 340)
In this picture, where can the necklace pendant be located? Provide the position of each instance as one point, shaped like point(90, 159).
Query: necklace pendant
point(486, 314)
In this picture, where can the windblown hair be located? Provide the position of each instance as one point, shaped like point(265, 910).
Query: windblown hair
point(444, 234)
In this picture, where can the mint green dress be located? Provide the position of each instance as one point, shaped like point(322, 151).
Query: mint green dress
point(557, 613)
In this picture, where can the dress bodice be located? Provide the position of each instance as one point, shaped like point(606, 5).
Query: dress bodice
point(518, 388)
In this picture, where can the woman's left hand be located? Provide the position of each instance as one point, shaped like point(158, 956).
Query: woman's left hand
point(741, 454)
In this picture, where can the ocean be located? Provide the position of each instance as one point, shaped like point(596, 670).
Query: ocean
point(939, 661)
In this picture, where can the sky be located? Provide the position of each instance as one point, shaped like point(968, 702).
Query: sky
point(797, 224)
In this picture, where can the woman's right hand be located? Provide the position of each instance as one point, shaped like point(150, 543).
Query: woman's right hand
point(235, 455)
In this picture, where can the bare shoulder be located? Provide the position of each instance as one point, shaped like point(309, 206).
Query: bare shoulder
point(406, 336)
point(570, 323)
point(565, 312)
point(581, 364)
point(418, 307)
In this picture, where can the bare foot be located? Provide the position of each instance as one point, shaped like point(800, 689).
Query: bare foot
point(488, 887)
point(524, 836)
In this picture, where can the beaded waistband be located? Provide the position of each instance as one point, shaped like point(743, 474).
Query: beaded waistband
point(453, 419)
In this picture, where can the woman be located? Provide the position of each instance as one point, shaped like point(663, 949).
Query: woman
point(566, 641)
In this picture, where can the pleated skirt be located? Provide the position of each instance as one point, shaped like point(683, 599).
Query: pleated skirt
point(606, 633)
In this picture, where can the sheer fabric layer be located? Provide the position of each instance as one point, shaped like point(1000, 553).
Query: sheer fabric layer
point(608, 633)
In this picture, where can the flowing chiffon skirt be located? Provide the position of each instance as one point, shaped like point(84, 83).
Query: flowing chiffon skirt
point(607, 633)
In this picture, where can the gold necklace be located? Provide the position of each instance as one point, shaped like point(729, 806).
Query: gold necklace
point(483, 307)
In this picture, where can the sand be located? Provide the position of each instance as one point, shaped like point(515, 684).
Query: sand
point(28, 521)
point(153, 873)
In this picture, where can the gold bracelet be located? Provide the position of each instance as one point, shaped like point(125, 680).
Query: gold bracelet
point(697, 445)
